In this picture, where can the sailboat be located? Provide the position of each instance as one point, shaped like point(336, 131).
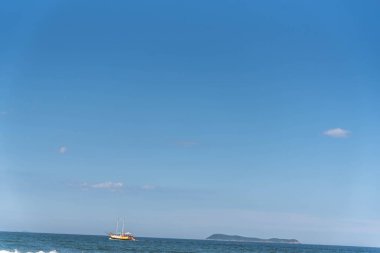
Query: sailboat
point(123, 236)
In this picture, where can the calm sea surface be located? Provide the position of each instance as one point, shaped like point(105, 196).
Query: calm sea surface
point(34, 242)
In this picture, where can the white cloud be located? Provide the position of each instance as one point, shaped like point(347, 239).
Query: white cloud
point(62, 149)
point(337, 133)
point(118, 186)
point(107, 185)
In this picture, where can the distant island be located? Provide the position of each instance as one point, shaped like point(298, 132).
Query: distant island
point(238, 238)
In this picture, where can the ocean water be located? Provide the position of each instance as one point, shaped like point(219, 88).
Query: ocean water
point(57, 243)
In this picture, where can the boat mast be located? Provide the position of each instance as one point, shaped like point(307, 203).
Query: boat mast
point(123, 226)
point(117, 225)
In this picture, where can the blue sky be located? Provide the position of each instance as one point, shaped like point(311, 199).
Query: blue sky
point(258, 118)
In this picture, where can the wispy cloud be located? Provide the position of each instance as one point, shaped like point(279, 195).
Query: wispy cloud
point(337, 133)
point(148, 187)
point(62, 150)
point(108, 185)
point(123, 188)
point(120, 186)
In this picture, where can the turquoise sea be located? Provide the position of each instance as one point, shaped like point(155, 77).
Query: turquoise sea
point(11, 242)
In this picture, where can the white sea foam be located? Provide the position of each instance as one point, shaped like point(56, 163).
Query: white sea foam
point(16, 251)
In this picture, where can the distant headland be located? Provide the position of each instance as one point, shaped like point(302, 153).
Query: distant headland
point(238, 238)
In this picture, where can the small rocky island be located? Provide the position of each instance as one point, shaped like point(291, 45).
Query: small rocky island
point(238, 238)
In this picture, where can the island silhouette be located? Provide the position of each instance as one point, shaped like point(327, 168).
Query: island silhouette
point(238, 238)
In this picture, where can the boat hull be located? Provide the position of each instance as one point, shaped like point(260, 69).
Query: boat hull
point(121, 237)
